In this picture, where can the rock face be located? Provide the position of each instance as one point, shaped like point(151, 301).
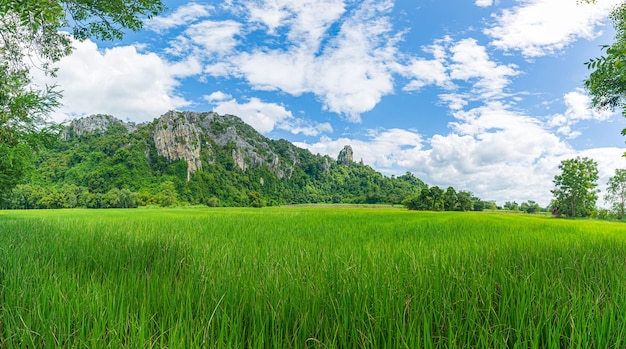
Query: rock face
point(96, 124)
point(346, 156)
point(177, 136)
point(184, 135)
point(201, 139)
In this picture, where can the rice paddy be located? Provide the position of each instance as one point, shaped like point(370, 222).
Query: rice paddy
point(318, 277)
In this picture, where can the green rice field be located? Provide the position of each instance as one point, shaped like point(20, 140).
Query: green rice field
point(318, 277)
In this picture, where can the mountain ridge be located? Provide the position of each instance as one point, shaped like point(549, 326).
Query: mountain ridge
point(185, 157)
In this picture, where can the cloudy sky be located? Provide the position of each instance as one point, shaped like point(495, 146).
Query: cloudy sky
point(484, 95)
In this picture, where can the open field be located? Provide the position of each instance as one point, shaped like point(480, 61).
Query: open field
point(309, 277)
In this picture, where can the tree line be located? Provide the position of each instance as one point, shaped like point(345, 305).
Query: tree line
point(436, 199)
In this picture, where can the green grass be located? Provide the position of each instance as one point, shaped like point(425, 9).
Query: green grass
point(309, 277)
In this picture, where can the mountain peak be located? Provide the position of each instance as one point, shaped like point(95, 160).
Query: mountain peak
point(96, 124)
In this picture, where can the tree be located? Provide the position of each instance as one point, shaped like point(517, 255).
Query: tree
point(607, 82)
point(616, 192)
point(15, 161)
point(530, 207)
point(465, 201)
point(255, 199)
point(512, 206)
point(575, 194)
point(450, 199)
point(167, 196)
point(31, 31)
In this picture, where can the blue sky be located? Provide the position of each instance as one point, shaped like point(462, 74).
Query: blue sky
point(484, 95)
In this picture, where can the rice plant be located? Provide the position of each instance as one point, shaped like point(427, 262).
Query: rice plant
point(309, 278)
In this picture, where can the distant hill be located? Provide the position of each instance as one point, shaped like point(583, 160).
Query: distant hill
point(195, 158)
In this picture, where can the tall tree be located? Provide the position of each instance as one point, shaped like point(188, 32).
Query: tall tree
point(575, 193)
point(465, 201)
point(32, 31)
point(450, 199)
point(616, 192)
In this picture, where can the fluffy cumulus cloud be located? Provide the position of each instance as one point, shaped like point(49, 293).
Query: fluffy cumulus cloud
point(456, 62)
point(118, 81)
point(184, 15)
point(578, 108)
point(346, 55)
point(206, 39)
point(264, 117)
point(470, 61)
point(423, 72)
point(307, 20)
point(541, 27)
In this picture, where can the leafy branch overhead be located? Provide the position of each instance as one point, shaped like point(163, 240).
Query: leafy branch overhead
point(33, 36)
point(607, 82)
point(104, 20)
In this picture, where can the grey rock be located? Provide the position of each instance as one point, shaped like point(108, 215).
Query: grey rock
point(346, 156)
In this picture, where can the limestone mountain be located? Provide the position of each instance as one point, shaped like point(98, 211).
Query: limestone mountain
point(196, 158)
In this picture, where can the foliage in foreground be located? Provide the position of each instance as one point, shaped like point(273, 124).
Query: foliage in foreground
point(606, 83)
point(32, 37)
point(319, 278)
point(616, 193)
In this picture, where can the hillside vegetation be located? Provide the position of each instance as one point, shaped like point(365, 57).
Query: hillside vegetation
point(197, 159)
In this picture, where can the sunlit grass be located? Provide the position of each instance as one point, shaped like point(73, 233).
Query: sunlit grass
point(309, 277)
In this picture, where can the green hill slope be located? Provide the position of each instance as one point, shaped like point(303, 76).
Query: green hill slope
point(195, 158)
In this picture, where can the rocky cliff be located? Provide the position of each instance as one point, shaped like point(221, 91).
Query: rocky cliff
point(177, 136)
point(196, 137)
point(184, 135)
point(95, 124)
point(346, 156)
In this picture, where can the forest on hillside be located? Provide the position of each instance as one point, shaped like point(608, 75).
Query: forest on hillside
point(118, 167)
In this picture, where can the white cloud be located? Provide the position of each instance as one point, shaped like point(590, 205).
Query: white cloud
point(455, 101)
point(471, 61)
point(258, 114)
point(355, 74)
point(305, 127)
point(183, 15)
point(263, 116)
point(345, 57)
point(218, 96)
point(206, 39)
point(118, 81)
point(426, 72)
point(484, 3)
point(350, 73)
point(462, 61)
point(578, 108)
point(383, 150)
point(543, 27)
point(307, 20)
